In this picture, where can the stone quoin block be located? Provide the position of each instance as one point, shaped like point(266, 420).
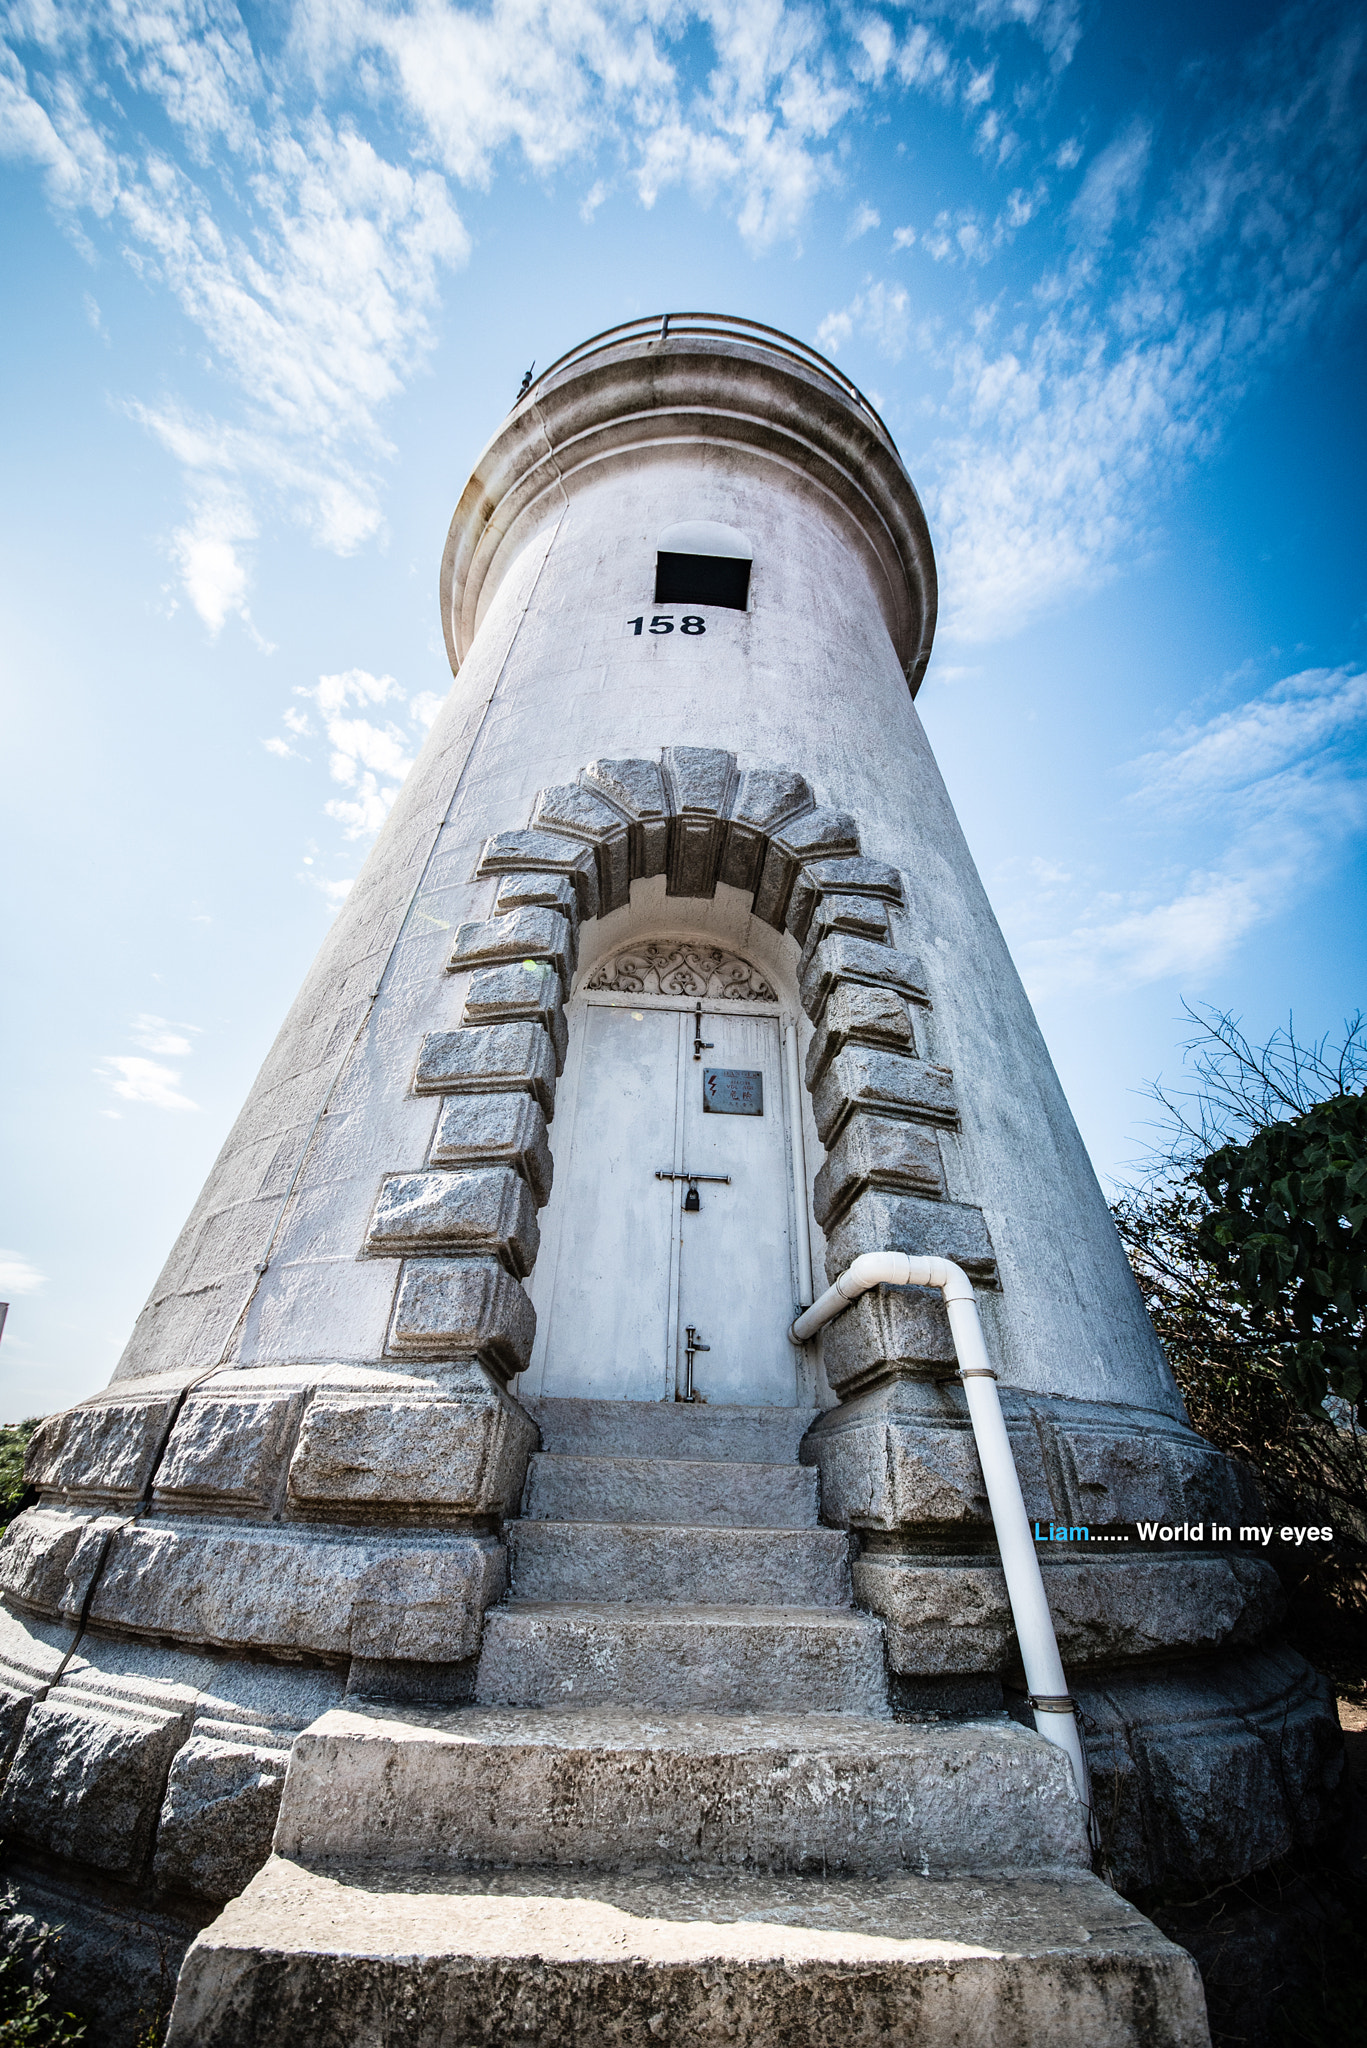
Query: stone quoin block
point(861, 1015)
point(470, 1211)
point(463, 1308)
point(228, 1448)
point(877, 1152)
point(488, 1059)
point(544, 853)
point(521, 935)
point(702, 782)
point(842, 957)
point(492, 1130)
point(766, 798)
point(871, 1079)
point(527, 990)
point(877, 1222)
point(87, 1779)
point(864, 917)
point(217, 1819)
point(637, 789)
point(538, 892)
point(887, 1333)
point(408, 1450)
point(576, 812)
point(849, 875)
point(811, 836)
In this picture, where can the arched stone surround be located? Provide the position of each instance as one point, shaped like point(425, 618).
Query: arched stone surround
point(341, 1525)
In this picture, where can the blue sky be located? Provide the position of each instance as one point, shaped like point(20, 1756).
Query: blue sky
point(273, 278)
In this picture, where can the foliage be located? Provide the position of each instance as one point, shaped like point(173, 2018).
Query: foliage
point(1257, 1210)
point(14, 1438)
point(28, 2018)
point(1287, 1228)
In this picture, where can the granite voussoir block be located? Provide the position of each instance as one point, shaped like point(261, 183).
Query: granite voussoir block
point(462, 1308)
point(702, 782)
point(529, 990)
point(887, 1332)
point(544, 853)
point(218, 1816)
point(808, 837)
point(862, 1015)
point(864, 917)
point(877, 1152)
point(882, 1083)
point(765, 799)
point(488, 1059)
point(879, 1222)
point(575, 812)
point(468, 1211)
point(538, 892)
point(490, 1130)
point(637, 789)
point(849, 874)
point(87, 1779)
point(842, 957)
point(400, 1451)
point(522, 935)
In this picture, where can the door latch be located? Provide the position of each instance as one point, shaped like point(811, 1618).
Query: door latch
point(693, 1344)
point(691, 1201)
point(700, 1044)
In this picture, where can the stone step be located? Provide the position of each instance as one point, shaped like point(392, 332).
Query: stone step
point(818, 1660)
point(671, 1429)
point(359, 1955)
point(448, 1789)
point(640, 1563)
point(685, 1492)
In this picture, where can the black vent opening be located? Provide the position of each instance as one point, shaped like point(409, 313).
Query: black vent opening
point(702, 579)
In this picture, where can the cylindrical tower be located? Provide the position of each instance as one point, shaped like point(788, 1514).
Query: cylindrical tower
point(668, 987)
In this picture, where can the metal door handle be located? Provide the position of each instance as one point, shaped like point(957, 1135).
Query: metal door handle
point(694, 1343)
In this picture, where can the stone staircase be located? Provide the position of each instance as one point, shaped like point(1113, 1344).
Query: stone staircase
point(679, 1809)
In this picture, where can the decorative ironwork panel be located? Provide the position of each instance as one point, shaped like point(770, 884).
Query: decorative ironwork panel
point(675, 967)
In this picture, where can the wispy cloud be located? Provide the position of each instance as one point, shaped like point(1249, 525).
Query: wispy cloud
point(144, 1081)
point(18, 1276)
point(1281, 779)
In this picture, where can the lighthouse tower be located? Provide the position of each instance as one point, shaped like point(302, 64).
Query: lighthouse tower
point(462, 1518)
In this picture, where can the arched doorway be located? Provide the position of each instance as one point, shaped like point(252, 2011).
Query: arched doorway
point(672, 1222)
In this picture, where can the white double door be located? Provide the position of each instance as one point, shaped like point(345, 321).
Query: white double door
point(627, 1267)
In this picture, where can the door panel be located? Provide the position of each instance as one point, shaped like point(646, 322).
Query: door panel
point(606, 1317)
point(735, 1260)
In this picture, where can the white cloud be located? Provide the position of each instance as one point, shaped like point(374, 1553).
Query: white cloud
point(881, 313)
point(423, 708)
point(139, 1080)
point(1066, 434)
point(862, 219)
point(18, 1276)
point(1282, 777)
point(155, 1034)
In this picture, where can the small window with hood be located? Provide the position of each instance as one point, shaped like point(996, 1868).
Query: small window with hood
point(701, 562)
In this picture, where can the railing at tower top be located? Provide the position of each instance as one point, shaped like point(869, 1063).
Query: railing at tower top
point(723, 326)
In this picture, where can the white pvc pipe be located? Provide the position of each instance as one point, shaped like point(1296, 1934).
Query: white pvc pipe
point(801, 1199)
point(1054, 1711)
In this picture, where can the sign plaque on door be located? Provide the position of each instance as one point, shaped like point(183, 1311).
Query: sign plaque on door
point(732, 1091)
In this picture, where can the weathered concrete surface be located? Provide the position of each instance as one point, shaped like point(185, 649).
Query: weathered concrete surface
point(670, 1429)
point(675, 1659)
point(724, 1567)
point(690, 1492)
point(802, 1793)
point(345, 1958)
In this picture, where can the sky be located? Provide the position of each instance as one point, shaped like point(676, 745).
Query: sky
point(272, 277)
